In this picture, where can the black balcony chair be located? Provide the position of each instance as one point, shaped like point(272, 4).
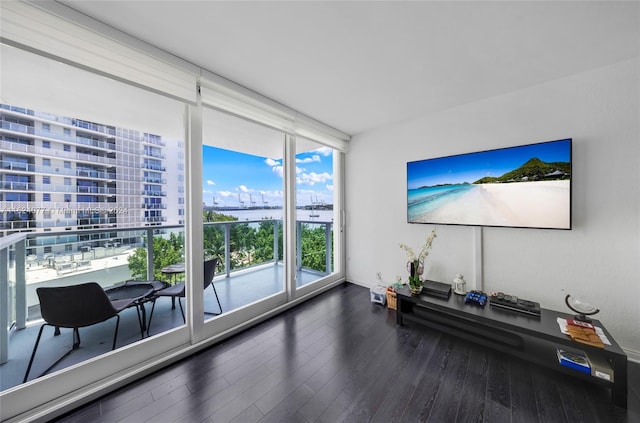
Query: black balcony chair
point(74, 307)
point(178, 290)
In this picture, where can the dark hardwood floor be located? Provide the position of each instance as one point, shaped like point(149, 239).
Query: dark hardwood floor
point(338, 357)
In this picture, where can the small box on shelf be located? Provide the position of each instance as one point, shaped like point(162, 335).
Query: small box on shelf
point(574, 359)
point(601, 368)
point(378, 294)
point(392, 298)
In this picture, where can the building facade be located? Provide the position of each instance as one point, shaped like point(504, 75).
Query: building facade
point(62, 174)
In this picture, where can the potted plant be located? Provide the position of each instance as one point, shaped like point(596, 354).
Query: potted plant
point(415, 265)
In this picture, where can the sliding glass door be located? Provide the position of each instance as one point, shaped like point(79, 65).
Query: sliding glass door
point(242, 214)
point(135, 171)
point(94, 179)
point(316, 212)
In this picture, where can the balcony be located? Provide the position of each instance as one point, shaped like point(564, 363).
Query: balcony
point(155, 219)
point(249, 270)
point(156, 154)
point(94, 173)
point(50, 152)
point(153, 206)
point(153, 193)
point(153, 166)
point(18, 128)
point(18, 186)
point(154, 180)
point(153, 139)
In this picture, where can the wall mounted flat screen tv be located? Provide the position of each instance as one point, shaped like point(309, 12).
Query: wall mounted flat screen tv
point(527, 186)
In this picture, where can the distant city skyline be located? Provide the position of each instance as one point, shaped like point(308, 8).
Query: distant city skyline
point(234, 179)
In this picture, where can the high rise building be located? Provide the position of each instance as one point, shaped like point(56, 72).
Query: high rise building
point(62, 174)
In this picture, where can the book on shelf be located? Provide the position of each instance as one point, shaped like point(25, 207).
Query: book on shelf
point(575, 360)
point(580, 324)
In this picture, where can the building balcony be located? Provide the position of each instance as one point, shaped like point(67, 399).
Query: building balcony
point(153, 206)
point(153, 167)
point(16, 166)
point(155, 154)
point(154, 180)
point(154, 140)
point(108, 145)
point(55, 188)
point(155, 219)
point(150, 193)
point(96, 190)
point(31, 150)
point(17, 186)
point(20, 129)
point(95, 173)
point(244, 276)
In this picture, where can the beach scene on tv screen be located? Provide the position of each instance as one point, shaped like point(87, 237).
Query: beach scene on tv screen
point(525, 186)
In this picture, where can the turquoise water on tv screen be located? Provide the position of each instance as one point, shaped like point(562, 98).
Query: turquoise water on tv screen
point(425, 200)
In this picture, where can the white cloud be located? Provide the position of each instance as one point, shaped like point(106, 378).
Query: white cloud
point(329, 187)
point(277, 170)
point(243, 188)
point(312, 178)
point(210, 182)
point(325, 151)
point(314, 158)
point(276, 167)
point(225, 193)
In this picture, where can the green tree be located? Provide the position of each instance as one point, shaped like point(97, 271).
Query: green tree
point(211, 216)
point(213, 244)
point(165, 252)
point(242, 241)
point(314, 253)
point(264, 242)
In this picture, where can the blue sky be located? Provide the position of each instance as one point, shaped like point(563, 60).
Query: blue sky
point(232, 177)
point(471, 167)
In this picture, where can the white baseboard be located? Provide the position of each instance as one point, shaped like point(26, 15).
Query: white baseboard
point(363, 284)
point(632, 355)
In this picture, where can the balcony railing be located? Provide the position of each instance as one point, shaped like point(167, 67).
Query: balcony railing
point(50, 152)
point(153, 206)
point(152, 166)
point(12, 288)
point(151, 193)
point(17, 128)
point(29, 260)
point(155, 219)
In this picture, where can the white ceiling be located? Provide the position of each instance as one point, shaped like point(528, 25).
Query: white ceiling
point(360, 65)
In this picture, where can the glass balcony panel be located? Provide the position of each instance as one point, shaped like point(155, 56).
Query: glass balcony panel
point(111, 257)
point(314, 199)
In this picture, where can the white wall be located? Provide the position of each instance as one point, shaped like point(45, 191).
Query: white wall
point(598, 260)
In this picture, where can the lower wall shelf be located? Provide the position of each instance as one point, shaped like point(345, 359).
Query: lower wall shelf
point(536, 340)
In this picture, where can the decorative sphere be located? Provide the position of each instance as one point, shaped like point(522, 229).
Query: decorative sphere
point(581, 307)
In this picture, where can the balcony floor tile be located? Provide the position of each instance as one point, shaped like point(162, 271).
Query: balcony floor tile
point(240, 289)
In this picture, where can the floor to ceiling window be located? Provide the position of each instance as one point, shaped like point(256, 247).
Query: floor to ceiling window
point(242, 215)
point(94, 179)
point(130, 170)
point(315, 211)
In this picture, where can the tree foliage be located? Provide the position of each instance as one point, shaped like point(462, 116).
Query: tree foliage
point(314, 253)
point(249, 244)
point(165, 252)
